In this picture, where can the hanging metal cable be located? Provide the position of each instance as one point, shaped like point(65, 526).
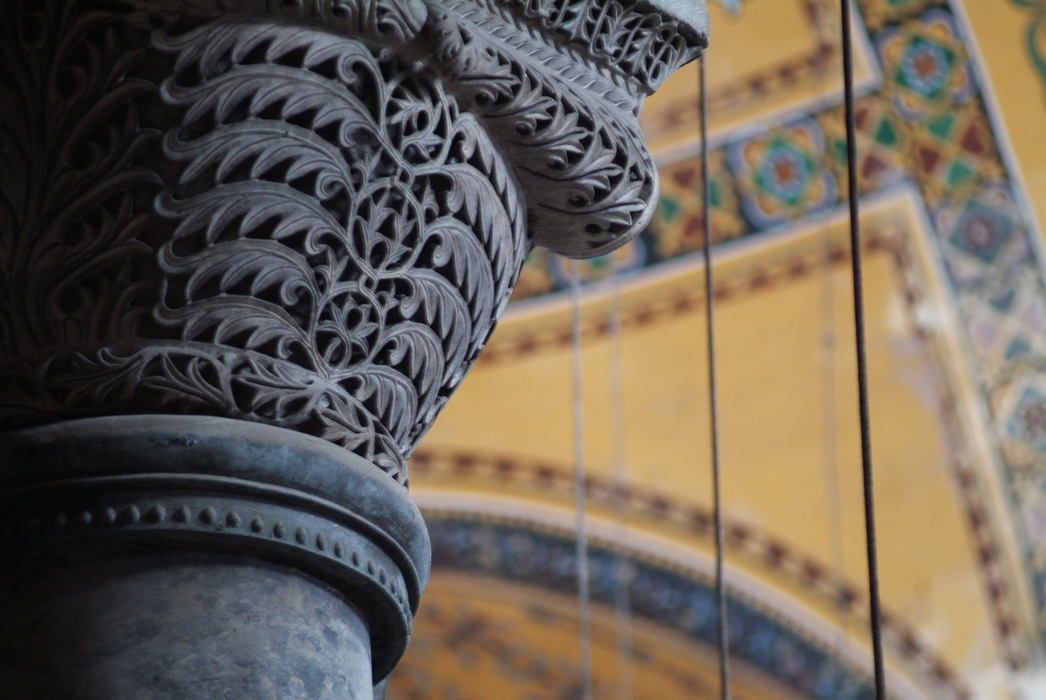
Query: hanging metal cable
point(622, 602)
point(829, 446)
point(579, 487)
point(717, 496)
point(862, 360)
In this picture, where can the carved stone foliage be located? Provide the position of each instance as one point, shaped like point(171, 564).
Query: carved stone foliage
point(306, 213)
point(341, 239)
point(644, 47)
point(335, 214)
point(570, 130)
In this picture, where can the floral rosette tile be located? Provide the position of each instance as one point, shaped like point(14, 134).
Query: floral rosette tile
point(925, 66)
point(782, 174)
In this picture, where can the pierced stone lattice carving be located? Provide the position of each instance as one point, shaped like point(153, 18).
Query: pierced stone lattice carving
point(569, 130)
point(641, 46)
point(221, 213)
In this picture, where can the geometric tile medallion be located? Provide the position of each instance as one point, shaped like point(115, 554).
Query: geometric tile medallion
point(981, 231)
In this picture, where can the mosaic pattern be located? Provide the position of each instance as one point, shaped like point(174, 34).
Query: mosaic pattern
point(666, 597)
point(679, 219)
point(782, 174)
point(926, 124)
point(878, 13)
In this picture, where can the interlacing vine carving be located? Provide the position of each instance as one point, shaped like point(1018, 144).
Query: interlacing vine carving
point(344, 239)
point(570, 131)
point(644, 47)
point(339, 215)
point(73, 199)
point(305, 213)
point(395, 23)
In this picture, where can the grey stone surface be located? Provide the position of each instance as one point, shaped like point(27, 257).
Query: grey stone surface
point(124, 446)
point(109, 488)
point(178, 628)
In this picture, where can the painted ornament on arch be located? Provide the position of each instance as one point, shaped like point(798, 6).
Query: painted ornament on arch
point(782, 174)
point(925, 66)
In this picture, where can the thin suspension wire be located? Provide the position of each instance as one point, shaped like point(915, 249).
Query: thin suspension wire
point(622, 603)
point(829, 456)
point(579, 487)
point(862, 360)
point(717, 496)
point(829, 445)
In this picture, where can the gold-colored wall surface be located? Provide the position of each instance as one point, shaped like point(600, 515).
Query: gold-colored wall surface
point(951, 120)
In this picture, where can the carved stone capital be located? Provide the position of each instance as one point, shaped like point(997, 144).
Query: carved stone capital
point(305, 215)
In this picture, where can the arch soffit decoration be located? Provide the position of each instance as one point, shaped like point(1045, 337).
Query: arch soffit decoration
point(949, 149)
point(670, 588)
point(894, 227)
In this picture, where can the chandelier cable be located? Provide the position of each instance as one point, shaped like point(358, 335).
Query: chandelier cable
point(579, 486)
point(829, 444)
point(722, 631)
point(862, 359)
point(622, 602)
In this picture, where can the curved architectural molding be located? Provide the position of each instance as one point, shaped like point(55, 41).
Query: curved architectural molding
point(662, 591)
point(193, 514)
point(759, 549)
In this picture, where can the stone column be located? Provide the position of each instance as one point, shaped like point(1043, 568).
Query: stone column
point(248, 249)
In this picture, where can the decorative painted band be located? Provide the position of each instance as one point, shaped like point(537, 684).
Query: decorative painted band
point(680, 600)
point(798, 568)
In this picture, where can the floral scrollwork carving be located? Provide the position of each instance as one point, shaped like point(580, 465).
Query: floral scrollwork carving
point(339, 216)
point(643, 47)
point(392, 22)
point(341, 238)
point(305, 213)
point(569, 129)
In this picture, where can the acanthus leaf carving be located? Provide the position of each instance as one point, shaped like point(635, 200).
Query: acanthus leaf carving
point(363, 295)
point(569, 129)
point(309, 215)
point(69, 135)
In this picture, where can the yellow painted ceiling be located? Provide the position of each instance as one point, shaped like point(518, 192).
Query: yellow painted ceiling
point(787, 398)
point(776, 383)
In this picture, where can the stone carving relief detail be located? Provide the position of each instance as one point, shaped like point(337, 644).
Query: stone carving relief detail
point(306, 213)
point(337, 215)
point(395, 23)
point(338, 238)
point(571, 133)
point(73, 196)
point(643, 47)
